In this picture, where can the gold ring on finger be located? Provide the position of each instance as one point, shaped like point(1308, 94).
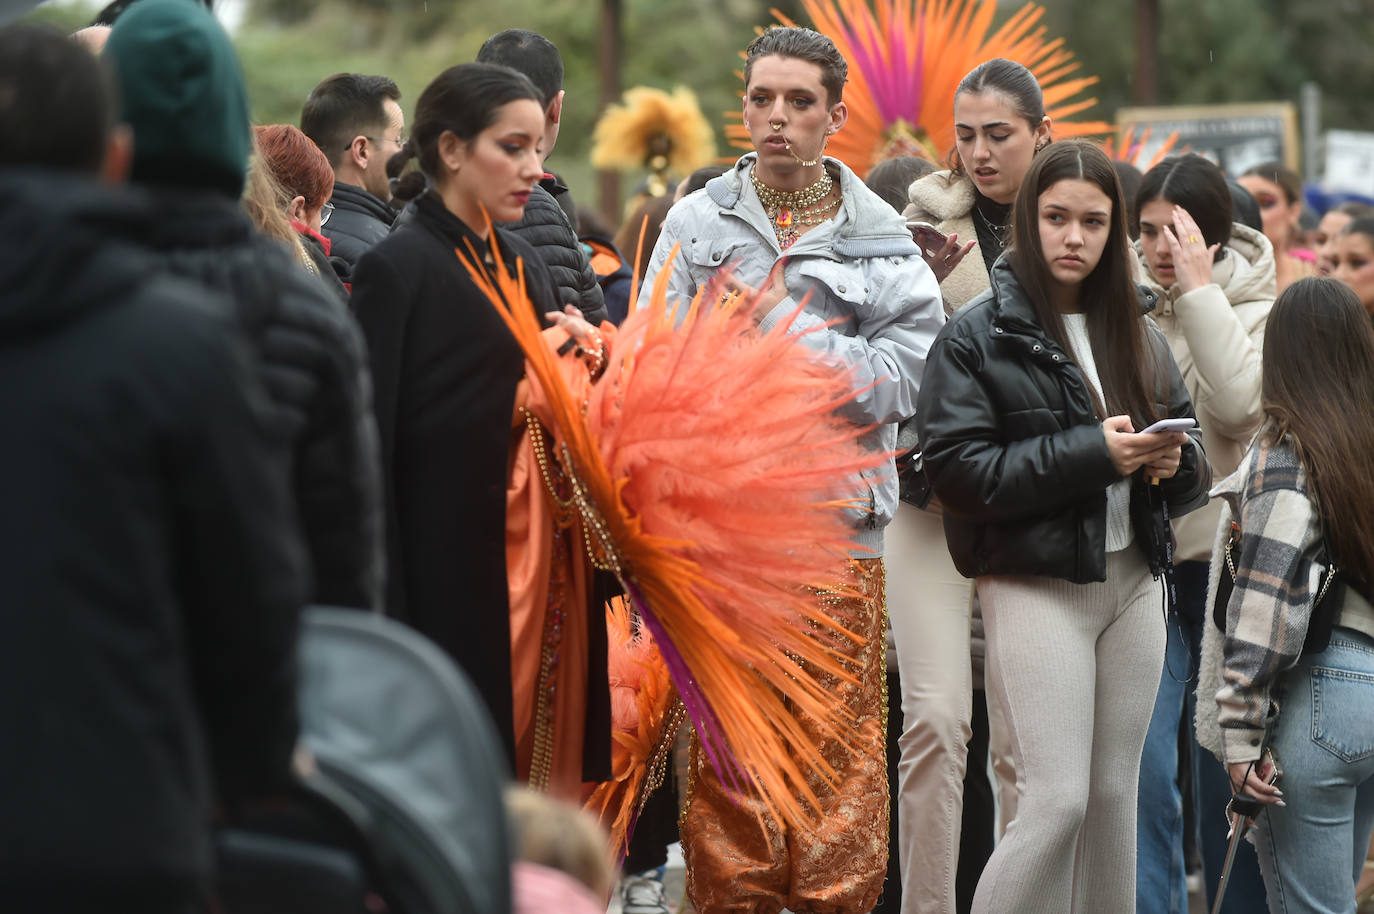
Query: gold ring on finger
point(1193, 239)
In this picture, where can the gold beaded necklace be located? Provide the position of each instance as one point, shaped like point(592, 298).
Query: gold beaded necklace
point(787, 209)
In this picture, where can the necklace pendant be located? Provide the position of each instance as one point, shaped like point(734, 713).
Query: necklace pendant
point(786, 239)
point(784, 216)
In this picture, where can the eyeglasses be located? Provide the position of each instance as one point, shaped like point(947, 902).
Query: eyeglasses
point(399, 141)
point(326, 211)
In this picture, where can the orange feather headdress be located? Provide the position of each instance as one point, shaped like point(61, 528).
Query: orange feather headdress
point(707, 464)
point(906, 58)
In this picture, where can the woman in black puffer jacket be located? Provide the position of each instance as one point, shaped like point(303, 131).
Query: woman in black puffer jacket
point(1028, 414)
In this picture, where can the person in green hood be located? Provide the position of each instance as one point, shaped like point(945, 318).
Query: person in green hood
point(182, 92)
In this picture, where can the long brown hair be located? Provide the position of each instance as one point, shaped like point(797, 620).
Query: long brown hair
point(1125, 362)
point(1317, 387)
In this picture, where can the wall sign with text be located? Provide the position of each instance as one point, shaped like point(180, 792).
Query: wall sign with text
point(1235, 136)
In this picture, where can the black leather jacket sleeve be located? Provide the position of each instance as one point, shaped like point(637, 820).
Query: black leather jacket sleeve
point(975, 471)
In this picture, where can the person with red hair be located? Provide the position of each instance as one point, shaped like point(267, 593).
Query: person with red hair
point(306, 180)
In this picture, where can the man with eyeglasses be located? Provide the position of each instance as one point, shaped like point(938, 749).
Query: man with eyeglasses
point(357, 122)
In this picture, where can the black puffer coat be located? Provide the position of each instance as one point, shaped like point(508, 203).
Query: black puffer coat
point(360, 220)
point(312, 362)
point(1016, 454)
point(545, 228)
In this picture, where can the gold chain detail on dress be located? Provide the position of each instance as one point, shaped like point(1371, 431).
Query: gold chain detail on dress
point(660, 759)
point(541, 456)
point(786, 210)
point(556, 483)
point(541, 758)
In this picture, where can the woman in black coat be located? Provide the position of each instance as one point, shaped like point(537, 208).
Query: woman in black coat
point(447, 378)
point(1058, 506)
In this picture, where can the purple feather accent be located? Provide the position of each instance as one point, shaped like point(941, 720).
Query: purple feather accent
point(918, 71)
point(893, 78)
point(693, 699)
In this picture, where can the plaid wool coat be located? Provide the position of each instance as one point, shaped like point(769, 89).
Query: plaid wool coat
point(1278, 577)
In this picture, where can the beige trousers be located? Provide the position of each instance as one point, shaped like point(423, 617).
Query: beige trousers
point(1074, 669)
point(928, 610)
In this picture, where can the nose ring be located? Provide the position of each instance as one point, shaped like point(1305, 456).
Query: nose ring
point(777, 128)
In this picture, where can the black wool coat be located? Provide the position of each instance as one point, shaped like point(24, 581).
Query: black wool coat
point(1015, 452)
point(445, 370)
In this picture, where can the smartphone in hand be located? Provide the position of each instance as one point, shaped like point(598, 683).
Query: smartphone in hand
point(927, 236)
point(1169, 425)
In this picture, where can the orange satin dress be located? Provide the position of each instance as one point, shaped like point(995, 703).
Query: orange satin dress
point(549, 575)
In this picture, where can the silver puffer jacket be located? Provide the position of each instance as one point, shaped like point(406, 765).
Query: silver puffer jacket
point(874, 299)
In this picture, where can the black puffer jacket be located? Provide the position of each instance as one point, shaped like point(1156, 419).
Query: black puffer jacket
point(150, 561)
point(545, 228)
point(360, 220)
point(1016, 453)
point(312, 362)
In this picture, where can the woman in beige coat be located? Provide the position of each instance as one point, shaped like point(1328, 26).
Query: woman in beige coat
point(1216, 283)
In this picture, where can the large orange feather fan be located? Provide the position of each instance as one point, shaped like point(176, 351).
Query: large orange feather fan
point(708, 463)
point(906, 58)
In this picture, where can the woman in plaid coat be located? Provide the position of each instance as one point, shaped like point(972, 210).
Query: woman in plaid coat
point(1293, 670)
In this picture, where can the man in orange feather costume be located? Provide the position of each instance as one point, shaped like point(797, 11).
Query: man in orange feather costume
point(811, 245)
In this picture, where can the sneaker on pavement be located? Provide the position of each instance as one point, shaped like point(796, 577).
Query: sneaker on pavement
point(642, 893)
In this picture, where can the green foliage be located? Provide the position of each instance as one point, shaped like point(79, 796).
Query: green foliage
point(1210, 51)
point(66, 16)
point(287, 46)
point(1231, 51)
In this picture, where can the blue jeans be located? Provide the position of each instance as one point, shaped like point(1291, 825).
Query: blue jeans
point(1160, 881)
point(1161, 886)
point(1312, 851)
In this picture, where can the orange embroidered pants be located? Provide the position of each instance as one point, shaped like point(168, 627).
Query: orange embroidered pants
point(734, 865)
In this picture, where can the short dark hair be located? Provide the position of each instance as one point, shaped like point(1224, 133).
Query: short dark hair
point(1352, 208)
point(529, 53)
point(1278, 173)
point(1130, 177)
point(343, 106)
point(1360, 225)
point(462, 100)
point(1244, 207)
point(803, 44)
point(43, 74)
point(1197, 185)
point(699, 178)
point(892, 178)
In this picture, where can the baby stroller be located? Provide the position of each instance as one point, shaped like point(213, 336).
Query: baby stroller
point(403, 813)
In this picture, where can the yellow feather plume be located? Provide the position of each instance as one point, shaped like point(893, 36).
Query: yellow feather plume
point(652, 123)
